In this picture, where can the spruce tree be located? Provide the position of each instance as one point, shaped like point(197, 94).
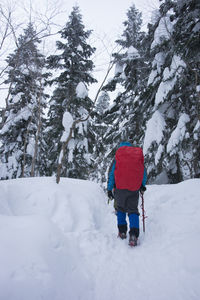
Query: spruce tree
point(98, 128)
point(70, 95)
point(102, 102)
point(131, 70)
point(22, 128)
point(123, 119)
point(171, 140)
point(186, 41)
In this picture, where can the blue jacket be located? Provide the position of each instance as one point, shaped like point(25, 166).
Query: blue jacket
point(111, 175)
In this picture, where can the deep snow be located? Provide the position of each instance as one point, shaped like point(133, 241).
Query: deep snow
point(59, 242)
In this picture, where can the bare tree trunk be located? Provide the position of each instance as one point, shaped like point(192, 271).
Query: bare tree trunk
point(62, 153)
point(37, 133)
point(24, 151)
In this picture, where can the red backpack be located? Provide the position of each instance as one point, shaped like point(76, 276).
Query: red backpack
point(129, 168)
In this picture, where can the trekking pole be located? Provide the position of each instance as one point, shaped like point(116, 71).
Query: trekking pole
point(143, 212)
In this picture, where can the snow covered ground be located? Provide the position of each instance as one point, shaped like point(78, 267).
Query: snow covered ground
point(59, 242)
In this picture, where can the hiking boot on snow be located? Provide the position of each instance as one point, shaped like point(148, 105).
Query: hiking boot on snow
point(122, 235)
point(133, 241)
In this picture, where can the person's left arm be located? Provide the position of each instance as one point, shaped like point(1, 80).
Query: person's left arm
point(144, 180)
point(111, 177)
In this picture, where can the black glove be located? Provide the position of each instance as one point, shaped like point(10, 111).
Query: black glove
point(142, 189)
point(110, 195)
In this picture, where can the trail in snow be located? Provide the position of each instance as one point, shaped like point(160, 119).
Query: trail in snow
point(166, 263)
point(60, 241)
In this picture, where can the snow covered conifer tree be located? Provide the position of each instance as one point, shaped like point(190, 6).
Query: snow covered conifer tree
point(22, 129)
point(71, 95)
point(102, 102)
point(98, 128)
point(123, 118)
point(129, 59)
point(171, 140)
point(162, 80)
point(130, 74)
point(186, 37)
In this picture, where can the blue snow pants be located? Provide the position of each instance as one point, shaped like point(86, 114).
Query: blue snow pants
point(127, 203)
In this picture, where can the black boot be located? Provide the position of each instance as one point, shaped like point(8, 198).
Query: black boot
point(122, 231)
point(134, 231)
point(133, 236)
point(133, 241)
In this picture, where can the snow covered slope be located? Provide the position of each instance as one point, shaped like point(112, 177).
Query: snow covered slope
point(59, 242)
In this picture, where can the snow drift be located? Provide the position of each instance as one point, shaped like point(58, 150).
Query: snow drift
point(40, 223)
point(59, 242)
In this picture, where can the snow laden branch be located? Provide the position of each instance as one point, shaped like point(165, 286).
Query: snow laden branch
point(183, 60)
point(70, 125)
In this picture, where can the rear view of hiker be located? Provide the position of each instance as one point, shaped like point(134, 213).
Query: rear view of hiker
point(127, 177)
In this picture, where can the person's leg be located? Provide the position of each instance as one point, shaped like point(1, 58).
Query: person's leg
point(133, 213)
point(121, 222)
point(134, 225)
point(121, 212)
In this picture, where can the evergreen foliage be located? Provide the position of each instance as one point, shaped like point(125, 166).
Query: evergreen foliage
point(171, 142)
point(157, 106)
point(70, 94)
point(21, 133)
point(99, 128)
point(123, 119)
point(102, 102)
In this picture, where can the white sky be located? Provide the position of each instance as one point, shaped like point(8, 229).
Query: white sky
point(108, 15)
point(104, 17)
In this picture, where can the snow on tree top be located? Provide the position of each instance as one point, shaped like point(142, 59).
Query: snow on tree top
point(67, 124)
point(170, 76)
point(155, 16)
point(118, 68)
point(164, 29)
point(132, 53)
point(154, 131)
point(197, 127)
point(67, 120)
point(158, 63)
point(81, 90)
point(79, 48)
point(23, 114)
point(178, 134)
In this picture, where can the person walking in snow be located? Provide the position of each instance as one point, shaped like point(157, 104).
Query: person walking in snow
point(126, 179)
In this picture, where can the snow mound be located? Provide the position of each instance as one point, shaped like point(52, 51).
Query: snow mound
point(36, 260)
point(60, 242)
point(69, 209)
point(39, 257)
